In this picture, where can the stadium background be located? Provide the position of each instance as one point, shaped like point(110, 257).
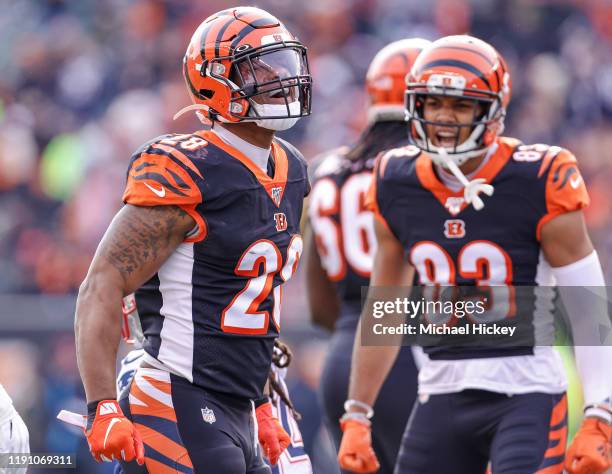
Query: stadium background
point(83, 83)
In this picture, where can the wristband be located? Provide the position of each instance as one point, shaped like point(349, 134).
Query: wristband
point(92, 408)
point(369, 411)
point(357, 416)
point(599, 410)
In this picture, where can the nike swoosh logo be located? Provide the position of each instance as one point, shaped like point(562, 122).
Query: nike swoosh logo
point(160, 192)
point(575, 182)
point(127, 361)
point(110, 427)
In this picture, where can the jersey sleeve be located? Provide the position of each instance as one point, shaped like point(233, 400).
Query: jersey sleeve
point(372, 198)
point(565, 188)
point(161, 175)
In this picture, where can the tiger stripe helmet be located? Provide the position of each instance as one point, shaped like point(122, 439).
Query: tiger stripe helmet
point(464, 67)
point(386, 78)
point(242, 57)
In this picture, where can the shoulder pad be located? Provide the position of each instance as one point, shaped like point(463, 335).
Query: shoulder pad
point(328, 162)
point(396, 155)
point(290, 148)
point(161, 173)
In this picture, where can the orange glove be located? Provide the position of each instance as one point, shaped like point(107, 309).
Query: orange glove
point(356, 453)
point(589, 452)
point(112, 436)
point(272, 436)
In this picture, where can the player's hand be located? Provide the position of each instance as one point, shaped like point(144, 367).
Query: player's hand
point(356, 453)
point(112, 436)
point(272, 436)
point(589, 452)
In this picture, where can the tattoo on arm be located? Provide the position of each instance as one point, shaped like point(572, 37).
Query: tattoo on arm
point(143, 236)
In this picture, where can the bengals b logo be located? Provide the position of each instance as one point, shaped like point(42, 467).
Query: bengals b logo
point(454, 229)
point(281, 221)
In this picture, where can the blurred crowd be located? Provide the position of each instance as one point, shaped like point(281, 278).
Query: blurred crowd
point(84, 83)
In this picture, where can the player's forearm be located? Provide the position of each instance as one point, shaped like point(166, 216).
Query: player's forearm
point(391, 279)
point(321, 292)
point(369, 369)
point(97, 332)
point(582, 290)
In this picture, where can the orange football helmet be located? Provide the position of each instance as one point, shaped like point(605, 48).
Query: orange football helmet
point(386, 78)
point(462, 67)
point(242, 64)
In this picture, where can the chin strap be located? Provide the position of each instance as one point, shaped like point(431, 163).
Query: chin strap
point(197, 108)
point(471, 188)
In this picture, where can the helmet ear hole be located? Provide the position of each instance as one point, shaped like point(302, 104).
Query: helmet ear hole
point(208, 93)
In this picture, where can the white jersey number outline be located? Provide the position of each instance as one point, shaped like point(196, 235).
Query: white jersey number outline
point(260, 262)
point(352, 241)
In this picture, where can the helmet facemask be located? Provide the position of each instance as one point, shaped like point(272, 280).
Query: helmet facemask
point(270, 85)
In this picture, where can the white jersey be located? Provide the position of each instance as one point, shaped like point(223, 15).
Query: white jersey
point(294, 459)
point(541, 372)
point(6, 406)
point(14, 436)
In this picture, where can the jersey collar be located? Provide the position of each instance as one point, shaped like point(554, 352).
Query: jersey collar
point(274, 186)
point(453, 200)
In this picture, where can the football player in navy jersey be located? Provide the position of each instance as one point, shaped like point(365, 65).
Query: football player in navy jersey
point(294, 460)
point(209, 233)
point(466, 206)
point(342, 244)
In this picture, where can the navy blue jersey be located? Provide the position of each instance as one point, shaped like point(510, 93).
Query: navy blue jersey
point(448, 241)
point(343, 227)
point(211, 313)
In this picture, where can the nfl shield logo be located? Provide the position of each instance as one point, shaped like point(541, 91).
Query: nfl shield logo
point(208, 415)
point(276, 195)
point(454, 205)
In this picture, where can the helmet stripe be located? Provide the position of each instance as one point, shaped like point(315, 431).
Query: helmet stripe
point(193, 90)
point(203, 35)
point(256, 18)
point(209, 35)
point(220, 35)
point(460, 65)
point(240, 36)
point(460, 48)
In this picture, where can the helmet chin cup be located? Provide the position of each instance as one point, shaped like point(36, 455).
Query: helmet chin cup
point(458, 158)
point(274, 110)
point(278, 125)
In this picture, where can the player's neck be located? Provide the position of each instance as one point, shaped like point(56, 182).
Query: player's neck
point(250, 133)
point(472, 165)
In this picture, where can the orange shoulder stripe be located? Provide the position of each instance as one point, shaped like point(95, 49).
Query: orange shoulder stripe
point(550, 155)
point(179, 155)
